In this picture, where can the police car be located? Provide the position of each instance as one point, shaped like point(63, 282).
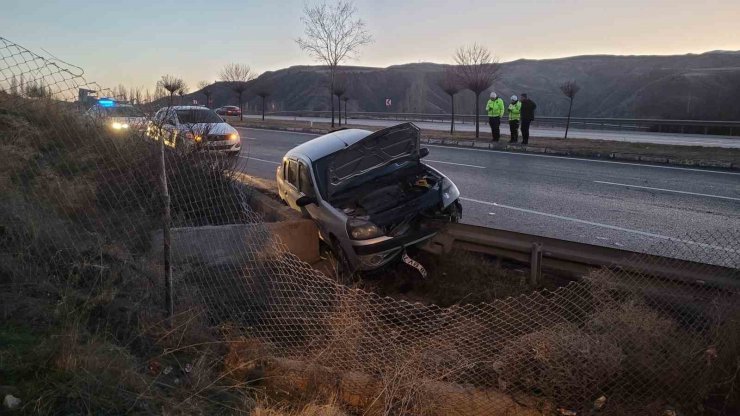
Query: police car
point(117, 116)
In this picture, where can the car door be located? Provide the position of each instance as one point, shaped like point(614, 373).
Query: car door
point(291, 192)
point(170, 128)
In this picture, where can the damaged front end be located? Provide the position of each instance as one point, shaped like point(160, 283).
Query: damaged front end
point(391, 199)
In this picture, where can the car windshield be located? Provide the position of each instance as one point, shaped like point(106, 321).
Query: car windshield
point(124, 111)
point(195, 116)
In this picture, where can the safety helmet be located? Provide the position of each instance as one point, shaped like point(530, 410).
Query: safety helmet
point(514, 98)
point(494, 95)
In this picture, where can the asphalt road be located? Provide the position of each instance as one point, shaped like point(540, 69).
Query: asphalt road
point(623, 136)
point(681, 212)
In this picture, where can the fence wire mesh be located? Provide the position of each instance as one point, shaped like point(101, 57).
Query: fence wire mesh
point(82, 207)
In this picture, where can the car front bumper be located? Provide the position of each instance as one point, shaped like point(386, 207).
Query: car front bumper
point(375, 253)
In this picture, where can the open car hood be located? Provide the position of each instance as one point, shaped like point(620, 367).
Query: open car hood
point(377, 150)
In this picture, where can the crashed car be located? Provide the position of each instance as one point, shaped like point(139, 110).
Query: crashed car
point(369, 193)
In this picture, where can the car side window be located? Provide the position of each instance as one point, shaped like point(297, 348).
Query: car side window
point(304, 179)
point(171, 119)
point(292, 173)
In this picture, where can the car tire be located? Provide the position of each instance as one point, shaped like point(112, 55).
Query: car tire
point(455, 212)
point(343, 272)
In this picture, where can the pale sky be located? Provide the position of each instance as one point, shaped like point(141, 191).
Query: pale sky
point(134, 42)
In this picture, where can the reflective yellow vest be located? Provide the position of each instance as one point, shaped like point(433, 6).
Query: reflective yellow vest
point(495, 108)
point(515, 111)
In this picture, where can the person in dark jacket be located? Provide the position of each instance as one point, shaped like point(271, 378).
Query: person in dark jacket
point(527, 116)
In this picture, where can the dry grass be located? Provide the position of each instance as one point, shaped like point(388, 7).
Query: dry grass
point(577, 147)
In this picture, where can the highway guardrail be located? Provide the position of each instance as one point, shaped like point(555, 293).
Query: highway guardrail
point(576, 259)
point(719, 127)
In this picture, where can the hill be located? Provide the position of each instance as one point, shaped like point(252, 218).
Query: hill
point(703, 86)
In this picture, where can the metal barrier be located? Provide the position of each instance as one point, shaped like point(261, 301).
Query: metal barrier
point(576, 259)
point(727, 128)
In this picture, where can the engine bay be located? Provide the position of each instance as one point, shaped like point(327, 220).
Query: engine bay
point(397, 201)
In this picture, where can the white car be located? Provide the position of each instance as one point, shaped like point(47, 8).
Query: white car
point(186, 127)
point(369, 193)
point(118, 117)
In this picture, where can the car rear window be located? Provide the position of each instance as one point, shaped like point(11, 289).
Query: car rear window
point(195, 116)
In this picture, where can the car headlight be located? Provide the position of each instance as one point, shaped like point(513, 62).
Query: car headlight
point(359, 229)
point(118, 126)
point(234, 136)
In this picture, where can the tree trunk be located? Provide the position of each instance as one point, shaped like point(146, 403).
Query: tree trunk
point(339, 109)
point(345, 113)
point(567, 124)
point(241, 108)
point(477, 117)
point(452, 122)
point(263, 108)
point(331, 97)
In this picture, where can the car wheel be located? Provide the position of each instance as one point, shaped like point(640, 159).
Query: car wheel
point(455, 211)
point(339, 263)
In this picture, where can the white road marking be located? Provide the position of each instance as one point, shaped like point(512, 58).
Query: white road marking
point(259, 160)
point(598, 224)
point(452, 163)
point(249, 138)
point(583, 160)
point(668, 190)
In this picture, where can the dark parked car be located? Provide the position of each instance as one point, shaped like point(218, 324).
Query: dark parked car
point(229, 110)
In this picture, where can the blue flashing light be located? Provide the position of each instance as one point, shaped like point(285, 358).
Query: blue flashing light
point(106, 102)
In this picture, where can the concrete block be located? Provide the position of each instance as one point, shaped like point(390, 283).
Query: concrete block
point(240, 243)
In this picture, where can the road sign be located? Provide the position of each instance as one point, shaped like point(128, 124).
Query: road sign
point(387, 102)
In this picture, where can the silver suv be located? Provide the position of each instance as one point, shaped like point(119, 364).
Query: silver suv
point(369, 193)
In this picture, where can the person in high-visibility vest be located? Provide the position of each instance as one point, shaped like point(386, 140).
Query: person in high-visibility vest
point(495, 110)
point(515, 111)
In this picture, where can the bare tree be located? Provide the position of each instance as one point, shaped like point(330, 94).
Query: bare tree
point(345, 99)
point(263, 90)
point(182, 91)
point(237, 75)
point(172, 85)
point(569, 89)
point(205, 89)
point(14, 85)
point(120, 93)
point(332, 35)
point(450, 84)
point(37, 90)
point(477, 70)
point(340, 88)
point(236, 72)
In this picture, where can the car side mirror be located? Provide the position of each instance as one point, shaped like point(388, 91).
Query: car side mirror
point(423, 152)
point(305, 200)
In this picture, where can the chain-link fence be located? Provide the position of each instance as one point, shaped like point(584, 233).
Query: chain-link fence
point(82, 206)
